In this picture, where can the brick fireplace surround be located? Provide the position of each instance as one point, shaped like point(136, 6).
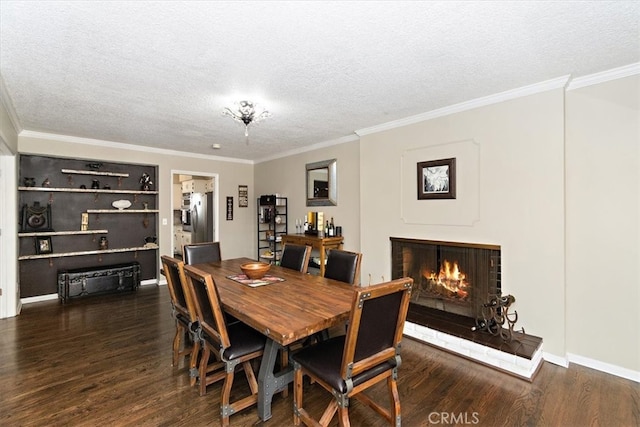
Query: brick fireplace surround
point(429, 321)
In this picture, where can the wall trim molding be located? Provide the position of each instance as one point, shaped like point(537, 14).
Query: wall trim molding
point(535, 88)
point(123, 146)
point(317, 146)
point(604, 76)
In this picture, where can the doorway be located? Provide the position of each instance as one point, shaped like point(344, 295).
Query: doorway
point(195, 205)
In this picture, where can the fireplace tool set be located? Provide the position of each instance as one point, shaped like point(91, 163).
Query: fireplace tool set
point(495, 314)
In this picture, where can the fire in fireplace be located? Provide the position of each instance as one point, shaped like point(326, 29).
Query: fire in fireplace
point(452, 277)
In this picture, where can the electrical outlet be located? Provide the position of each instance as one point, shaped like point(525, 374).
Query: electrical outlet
point(164, 221)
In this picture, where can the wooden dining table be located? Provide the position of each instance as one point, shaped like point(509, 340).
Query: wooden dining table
point(284, 311)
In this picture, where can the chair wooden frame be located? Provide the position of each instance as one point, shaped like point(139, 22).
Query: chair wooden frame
point(216, 341)
point(183, 310)
point(380, 365)
point(306, 256)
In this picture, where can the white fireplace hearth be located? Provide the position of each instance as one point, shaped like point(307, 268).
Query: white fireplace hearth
point(508, 362)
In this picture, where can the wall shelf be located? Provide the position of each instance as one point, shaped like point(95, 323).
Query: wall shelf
point(84, 172)
point(122, 211)
point(96, 252)
point(85, 190)
point(61, 233)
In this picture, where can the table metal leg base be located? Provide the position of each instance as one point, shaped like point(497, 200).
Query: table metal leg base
point(269, 382)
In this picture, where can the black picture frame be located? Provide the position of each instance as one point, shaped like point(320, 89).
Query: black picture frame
point(437, 179)
point(43, 245)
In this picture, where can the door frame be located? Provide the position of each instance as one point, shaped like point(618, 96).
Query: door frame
point(216, 199)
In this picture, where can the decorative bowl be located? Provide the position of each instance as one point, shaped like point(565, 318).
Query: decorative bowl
point(121, 204)
point(255, 270)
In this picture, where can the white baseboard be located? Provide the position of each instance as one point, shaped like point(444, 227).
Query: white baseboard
point(38, 298)
point(605, 367)
point(556, 360)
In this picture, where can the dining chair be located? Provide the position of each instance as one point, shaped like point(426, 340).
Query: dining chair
point(348, 365)
point(182, 310)
point(197, 253)
point(233, 346)
point(295, 257)
point(343, 266)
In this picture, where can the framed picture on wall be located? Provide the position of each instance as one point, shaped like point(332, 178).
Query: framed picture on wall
point(243, 196)
point(437, 179)
point(43, 245)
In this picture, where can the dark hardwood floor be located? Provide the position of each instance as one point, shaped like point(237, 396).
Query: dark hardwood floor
point(106, 361)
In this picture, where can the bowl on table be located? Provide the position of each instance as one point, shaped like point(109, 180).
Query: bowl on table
point(255, 270)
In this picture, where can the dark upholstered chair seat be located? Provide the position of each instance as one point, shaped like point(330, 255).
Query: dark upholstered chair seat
point(324, 361)
point(244, 340)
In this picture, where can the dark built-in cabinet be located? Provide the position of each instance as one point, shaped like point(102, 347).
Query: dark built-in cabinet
point(68, 221)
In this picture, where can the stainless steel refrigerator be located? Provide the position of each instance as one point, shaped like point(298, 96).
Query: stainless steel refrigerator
point(202, 218)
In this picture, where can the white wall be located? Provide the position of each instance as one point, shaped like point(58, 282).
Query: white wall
point(287, 177)
point(603, 222)
point(9, 300)
point(510, 173)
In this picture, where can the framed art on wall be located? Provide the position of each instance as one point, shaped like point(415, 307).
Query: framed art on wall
point(43, 245)
point(437, 179)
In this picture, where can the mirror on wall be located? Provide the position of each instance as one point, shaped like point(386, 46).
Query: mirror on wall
point(321, 183)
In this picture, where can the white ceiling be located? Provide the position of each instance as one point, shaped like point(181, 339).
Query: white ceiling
point(159, 73)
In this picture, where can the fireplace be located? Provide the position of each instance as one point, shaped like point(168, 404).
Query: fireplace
point(456, 278)
point(452, 282)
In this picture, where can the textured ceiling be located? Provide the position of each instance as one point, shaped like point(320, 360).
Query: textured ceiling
point(159, 73)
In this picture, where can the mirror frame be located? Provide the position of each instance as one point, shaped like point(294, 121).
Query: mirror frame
point(332, 199)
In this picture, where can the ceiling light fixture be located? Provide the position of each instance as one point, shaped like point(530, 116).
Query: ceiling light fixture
point(246, 112)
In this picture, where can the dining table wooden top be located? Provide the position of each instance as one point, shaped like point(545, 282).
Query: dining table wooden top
point(285, 311)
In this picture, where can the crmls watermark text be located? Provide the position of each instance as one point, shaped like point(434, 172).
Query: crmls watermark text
point(453, 418)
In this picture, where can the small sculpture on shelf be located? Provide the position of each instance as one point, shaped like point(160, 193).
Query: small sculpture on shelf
point(104, 243)
point(29, 182)
point(145, 182)
point(46, 183)
point(94, 166)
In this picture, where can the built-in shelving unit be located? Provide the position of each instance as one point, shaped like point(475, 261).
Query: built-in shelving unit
point(81, 229)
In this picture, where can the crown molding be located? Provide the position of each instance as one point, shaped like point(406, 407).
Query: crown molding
point(6, 101)
point(604, 76)
point(317, 146)
point(123, 146)
point(544, 86)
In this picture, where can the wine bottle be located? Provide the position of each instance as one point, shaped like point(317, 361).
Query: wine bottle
point(332, 228)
